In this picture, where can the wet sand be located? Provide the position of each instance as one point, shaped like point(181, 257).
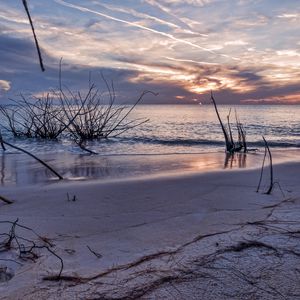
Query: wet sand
point(18, 169)
point(191, 235)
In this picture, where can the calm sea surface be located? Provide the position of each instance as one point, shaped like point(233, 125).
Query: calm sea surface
point(187, 129)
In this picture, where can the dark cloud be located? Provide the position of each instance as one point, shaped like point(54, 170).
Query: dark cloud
point(19, 65)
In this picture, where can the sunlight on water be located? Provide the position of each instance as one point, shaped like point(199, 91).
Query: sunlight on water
point(187, 129)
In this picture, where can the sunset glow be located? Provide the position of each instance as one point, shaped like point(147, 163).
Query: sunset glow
point(245, 51)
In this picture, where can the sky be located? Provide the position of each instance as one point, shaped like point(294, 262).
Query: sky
point(245, 51)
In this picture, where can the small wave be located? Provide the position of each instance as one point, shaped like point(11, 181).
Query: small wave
point(172, 142)
point(274, 144)
point(204, 142)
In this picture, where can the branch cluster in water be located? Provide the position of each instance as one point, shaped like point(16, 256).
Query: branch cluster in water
point(81, 115)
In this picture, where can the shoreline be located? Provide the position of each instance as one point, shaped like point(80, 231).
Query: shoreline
point(18, 169)
point(134, 225)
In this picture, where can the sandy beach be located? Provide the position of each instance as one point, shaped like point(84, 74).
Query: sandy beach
point(149, 150)
point(185, 235)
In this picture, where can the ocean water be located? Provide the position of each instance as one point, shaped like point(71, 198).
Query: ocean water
point(175, 129)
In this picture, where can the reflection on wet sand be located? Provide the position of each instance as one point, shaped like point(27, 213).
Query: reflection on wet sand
point(235, 160)
point(19, 169)
point(2, 169)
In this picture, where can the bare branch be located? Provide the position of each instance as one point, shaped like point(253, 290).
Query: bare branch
point(36, 158)
point(34, 35)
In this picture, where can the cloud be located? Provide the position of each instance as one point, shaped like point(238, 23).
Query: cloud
point(138, 14)
point(4, 85)
point(133, 24)
point(236, 43)
point(280, 99)
point(290, 16)
point(178, 48)
point(27, 78)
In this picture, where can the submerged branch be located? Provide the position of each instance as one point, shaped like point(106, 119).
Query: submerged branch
point(33, 156)
point(229, 146)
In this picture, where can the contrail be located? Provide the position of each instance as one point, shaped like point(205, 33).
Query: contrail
point(170, 36)
point(191, 61)
point(139, 15)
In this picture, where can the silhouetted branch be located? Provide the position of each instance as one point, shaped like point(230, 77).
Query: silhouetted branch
point(36, 158)
point(261, 171)
point(1, 142)
point(271, 168)
point(229, 146)
point(267, 150)
point(82, 116)
point(241, 134)
point(34, 35)
point(229, 127)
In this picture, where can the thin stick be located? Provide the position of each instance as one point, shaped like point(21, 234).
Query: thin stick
point(261, 171)
point(1, 142)
point(98, 255)
point(268, 192)
point(34, 35)
point(229, 127)
point(229, 146)
point(6, 200)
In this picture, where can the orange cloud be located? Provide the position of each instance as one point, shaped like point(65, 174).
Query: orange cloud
point(285, 99)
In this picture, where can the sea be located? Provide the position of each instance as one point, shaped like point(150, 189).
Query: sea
point(177, 140)
point(186, 129)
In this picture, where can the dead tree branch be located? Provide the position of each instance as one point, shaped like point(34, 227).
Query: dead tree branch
point(34, 35)
point(272, 183)
point(261, 171)
point(33, 156)
point(271, 168)
point(26, 248)
point(98, 255)
point(7, 201)
point(229, 145)
point(1, 142)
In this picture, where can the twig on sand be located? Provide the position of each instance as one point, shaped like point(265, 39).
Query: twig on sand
point(98, 255)
point(261, 171)
point(7, 201)
point(267, 150)
point(25, 247)
point(271, 168)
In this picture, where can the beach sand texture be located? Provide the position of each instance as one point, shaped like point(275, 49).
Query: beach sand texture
point(191, 236)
